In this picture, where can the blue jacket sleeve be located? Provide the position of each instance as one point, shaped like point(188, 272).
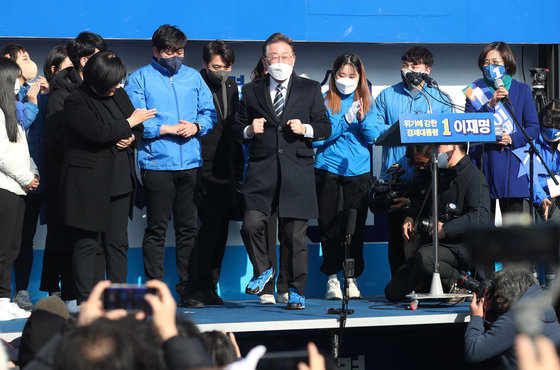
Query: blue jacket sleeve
point(135, 90)
point(339, 127)
point(381, 120)
point(206, 112)
point(32, 111)
point(481, 344)
point(529, 118)
point(368, 125)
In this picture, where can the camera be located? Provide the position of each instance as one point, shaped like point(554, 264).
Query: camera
point(482, 289)
point(127, 296)
point(538, 77)
point(425, 225)
point(383, 193)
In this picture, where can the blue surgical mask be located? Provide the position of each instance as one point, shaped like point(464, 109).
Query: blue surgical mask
point(550, 134)
point(171, 64)
point(492, 72)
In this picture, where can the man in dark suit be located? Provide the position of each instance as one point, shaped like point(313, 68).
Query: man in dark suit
point(280, 115)
point(222, 167)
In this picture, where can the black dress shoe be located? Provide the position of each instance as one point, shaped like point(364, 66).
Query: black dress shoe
point(210, 297)
point(191, 300)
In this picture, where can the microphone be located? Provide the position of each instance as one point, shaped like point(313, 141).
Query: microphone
point(411, 77)
point(429, 81)
point(351, 222)
point(499, 83)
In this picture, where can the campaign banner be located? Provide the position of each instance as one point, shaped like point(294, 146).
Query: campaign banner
point(447, 128)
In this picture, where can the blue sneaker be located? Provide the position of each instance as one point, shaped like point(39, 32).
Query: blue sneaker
point(295, 301)
point(257, 283)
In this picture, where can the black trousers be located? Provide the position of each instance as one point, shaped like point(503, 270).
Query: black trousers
point(416, 273)
point(57, 263)
point(292, 235)
point(395, 245)
point(86, 243)
point(336, 195)
point(12, 209)
point(212, 236)
point(510, 205)
point(167, 192)
point(24, 261)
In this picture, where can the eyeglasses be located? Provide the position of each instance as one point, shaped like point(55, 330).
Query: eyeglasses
point(494, 62)
point(277, 58)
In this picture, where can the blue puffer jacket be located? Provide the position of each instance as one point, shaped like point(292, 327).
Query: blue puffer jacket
point(182, 96)
point(393, 101)
point(346, 152)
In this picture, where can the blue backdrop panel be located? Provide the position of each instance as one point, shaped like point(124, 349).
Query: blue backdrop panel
point(387, 21)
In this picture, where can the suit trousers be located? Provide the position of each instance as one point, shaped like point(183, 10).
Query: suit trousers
point(57, 263)
point(171, 192)
point(86, 244)
point(12, 209)
point(292, 235)
point(336, 195)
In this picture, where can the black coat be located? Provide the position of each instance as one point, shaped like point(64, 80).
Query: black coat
point(90, 136)
point(62, 85)
point(278, 156)
point(222, 155)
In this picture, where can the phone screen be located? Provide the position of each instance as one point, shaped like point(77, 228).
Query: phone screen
point(128, 297)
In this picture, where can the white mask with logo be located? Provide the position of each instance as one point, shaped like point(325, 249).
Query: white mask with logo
point(280, 71)
point(346, 85)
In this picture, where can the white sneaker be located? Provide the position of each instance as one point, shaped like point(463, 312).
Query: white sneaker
point(5, 315)
point(283, 297)
point(11, 308)
point(267, 299)
point(353, 292)
point(333, 289)
point(72, 306)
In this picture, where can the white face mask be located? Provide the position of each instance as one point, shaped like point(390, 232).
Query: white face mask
point(346, 85)
point(280, 71)
point(16, 87)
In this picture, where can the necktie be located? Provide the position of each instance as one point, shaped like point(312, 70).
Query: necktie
point(279, 101)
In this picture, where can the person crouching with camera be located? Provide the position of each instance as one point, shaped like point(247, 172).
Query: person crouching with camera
point(511, 287)
point(464, 202)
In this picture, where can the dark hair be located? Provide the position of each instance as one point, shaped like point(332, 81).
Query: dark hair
point(278, 37)
point(12, 50)
point(103, 71)
point(104, 344)
point(418, 55)
point(412, 150)
point(9, 72)
point(259, 71)
point(549, 115)
point(362, 91)
point(505, 53)
point(512, 283)
point(220, 48)
point(54, 59)
point(84, 45)
point(219, 347)
point(169, 37)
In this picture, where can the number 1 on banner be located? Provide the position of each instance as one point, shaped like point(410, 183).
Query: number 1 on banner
point(446, 131)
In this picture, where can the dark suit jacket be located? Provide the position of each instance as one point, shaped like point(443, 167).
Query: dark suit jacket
point(90, 135)
point(278, 157)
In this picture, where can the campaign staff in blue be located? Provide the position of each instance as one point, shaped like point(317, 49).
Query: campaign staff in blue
point(342, 169)
point(169, 154)
point(501, 165)
point(391, 102)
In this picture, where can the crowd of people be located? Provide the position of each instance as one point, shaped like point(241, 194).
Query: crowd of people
point(284, 154)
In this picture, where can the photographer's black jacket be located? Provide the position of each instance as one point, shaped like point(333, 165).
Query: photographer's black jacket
point(466, 187)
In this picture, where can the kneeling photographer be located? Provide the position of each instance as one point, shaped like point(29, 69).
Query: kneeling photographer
point(464, 202)
point(510, 286)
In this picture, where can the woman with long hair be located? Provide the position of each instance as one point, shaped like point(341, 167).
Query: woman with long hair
point(98, 174)
point(18, 175)
point(497, 88)
point(343, 167)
